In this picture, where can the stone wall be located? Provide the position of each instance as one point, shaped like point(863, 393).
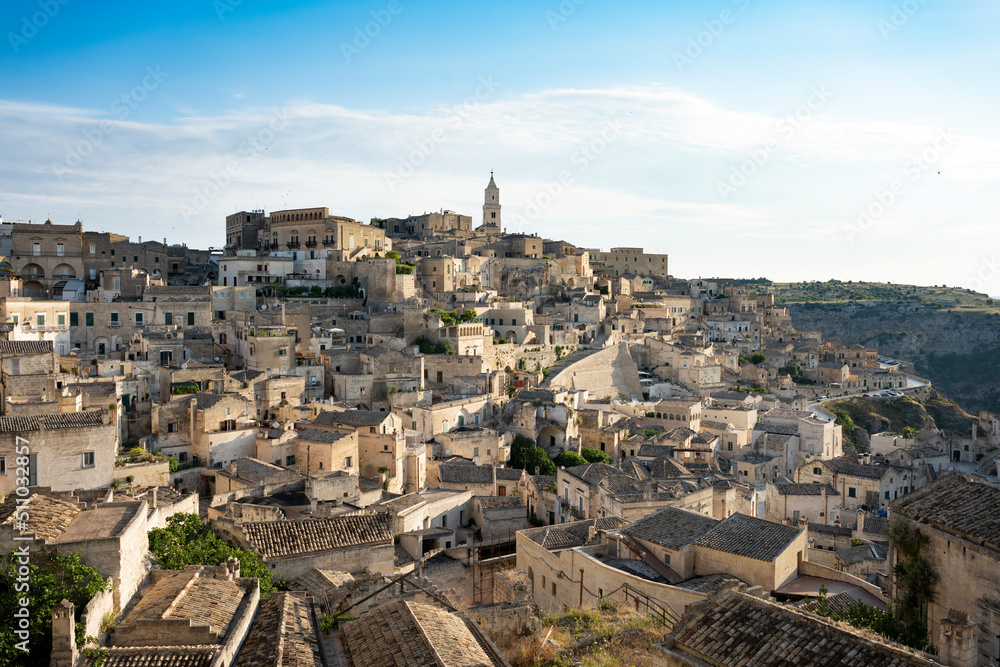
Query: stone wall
point(603, 373)
point(145, 474)
point(506, 622)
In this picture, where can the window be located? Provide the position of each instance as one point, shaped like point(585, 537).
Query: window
point(138, 318)
point(118, 284)
point(61, 319)
point(74, 319)
point(347, 462)
point(475, 451)
point(371, 429)
point(36, 248)
point(852, 492)
point(88, 459)
point(93, 249)
point(290, 460)
point(114, 318)
point(168, 318)
point(392, 368)
point(444, 520)
point(3, 465)
point(40, 318)
point(817, 471)
point(190, 319)
point(173, 427)
point(553, 589)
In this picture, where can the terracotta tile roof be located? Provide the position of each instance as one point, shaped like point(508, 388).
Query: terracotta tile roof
point(316, 435)
point(413, 634)
point(805, 489)
point(351, 417)
point(776, 428)
point(747, 536)
point(156, 656)
point(671, 527)
point(592, 473)
point(403, 503)
point(190, 594)
point(464, 473)
point(282, 635)
point(48, 518)
point(510, 474)
point(21, 423)
point(841, 602)
point(738, 630)
point(958, 504)
point(574, 534)
point(15, 347)
point(498, 502)
point(830, 530)
point(281, 539)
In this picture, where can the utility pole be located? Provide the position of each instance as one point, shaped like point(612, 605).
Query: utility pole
point(581, 588)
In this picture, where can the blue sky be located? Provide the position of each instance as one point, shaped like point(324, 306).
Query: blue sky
point(794, 140)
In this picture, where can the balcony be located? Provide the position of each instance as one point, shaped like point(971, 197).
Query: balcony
point(293, 244)
point(115, 323)
point(329, 243)
point(310, 244)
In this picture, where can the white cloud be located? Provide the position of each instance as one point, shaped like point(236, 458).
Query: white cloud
point(654, 184)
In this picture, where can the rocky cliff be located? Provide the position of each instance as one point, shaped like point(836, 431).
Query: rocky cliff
point(958, 350)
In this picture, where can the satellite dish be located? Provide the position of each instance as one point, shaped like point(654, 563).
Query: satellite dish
point(447, 451)
point(263, 306)
point(216, 358)
point(275, 425)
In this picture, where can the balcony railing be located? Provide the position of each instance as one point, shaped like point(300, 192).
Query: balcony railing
point(329, 243)
point(292, 244)
point(310, 244)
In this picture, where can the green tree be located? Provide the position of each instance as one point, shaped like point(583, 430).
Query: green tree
point(526, 455)
point(592, 455)
point(569, 459)
point(392, 254)
point(188, 541)
point(53, 580)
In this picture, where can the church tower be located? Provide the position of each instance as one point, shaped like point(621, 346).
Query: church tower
point(491, 207)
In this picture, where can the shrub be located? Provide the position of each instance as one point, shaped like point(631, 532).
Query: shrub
point(569, 459)
point(593, 455)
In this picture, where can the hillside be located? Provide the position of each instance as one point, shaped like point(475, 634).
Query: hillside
point(862, 417)
point(951, 335)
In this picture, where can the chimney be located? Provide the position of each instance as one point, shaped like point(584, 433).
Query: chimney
point(152, 498)
point(591, 532)
point(538, 470)
point(64, 651)
point(232, 568)
point(861, 521)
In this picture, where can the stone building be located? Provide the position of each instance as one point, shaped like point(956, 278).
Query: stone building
point(958, 516)
point(349, 543)
point(66, 450)
point(738, 629)
point(628, 261)
point(47, 256)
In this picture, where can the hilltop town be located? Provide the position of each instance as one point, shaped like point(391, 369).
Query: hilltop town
point(431, 441)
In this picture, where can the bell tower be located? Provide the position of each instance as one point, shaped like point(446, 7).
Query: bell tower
point(491, 206)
